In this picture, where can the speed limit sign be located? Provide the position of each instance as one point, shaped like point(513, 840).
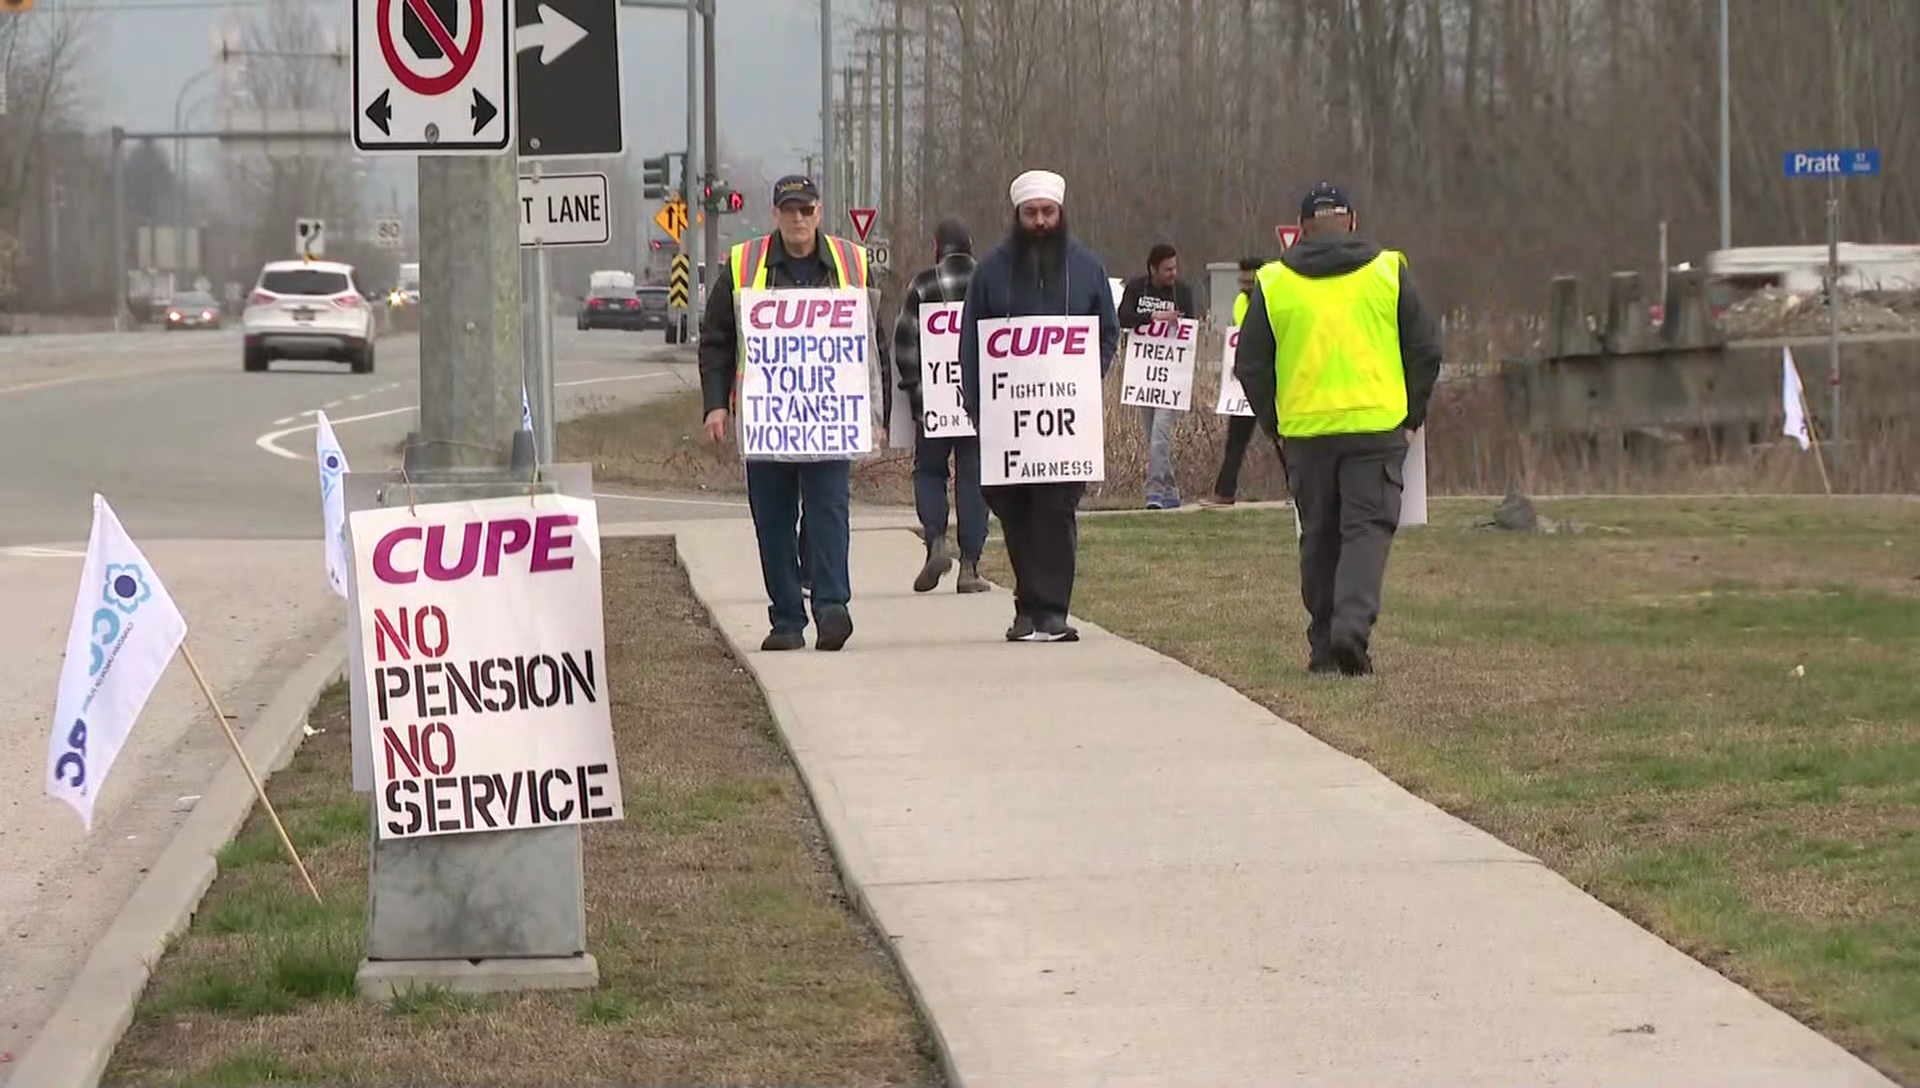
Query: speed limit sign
point(880, 254)
point(386, 233)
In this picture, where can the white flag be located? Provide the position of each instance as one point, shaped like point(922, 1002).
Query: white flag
point(125, 630)
point(1794, 396)
point(526, 409)
point(333, 502)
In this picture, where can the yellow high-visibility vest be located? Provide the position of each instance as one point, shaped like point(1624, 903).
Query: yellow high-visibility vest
point(748, 262)
point(1336, 363)
point(1240, 309)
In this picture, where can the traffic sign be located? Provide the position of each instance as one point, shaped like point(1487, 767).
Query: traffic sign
point(387, 233)
point(1852, 162)
point(15, 6)
point(570, 90)
point(310, 237)
point(680, 282)
point(565, 210)
point(880, 253)
point(862, 220)
point(672, 218)
point(1288, 234)
point(433, 77)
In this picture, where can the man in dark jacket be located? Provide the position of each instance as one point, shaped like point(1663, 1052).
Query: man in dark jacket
point(782, 494)
point(1159, 294)
point(1338, 359)
point(1039, 270)
point(946, 281)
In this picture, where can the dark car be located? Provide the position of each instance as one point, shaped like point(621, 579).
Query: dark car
point(628, 308)
point(193, 310)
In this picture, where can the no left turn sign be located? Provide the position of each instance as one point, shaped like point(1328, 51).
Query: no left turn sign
point(433, 77)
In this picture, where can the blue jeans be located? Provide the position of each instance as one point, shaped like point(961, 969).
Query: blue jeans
point(1162, 487)
point(775, 493)
point(930, 456)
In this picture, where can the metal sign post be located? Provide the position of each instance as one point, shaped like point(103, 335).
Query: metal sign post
point(1833, 165)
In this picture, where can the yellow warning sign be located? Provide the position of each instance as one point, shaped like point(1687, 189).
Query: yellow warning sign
point(679, 281)
point(672, 218)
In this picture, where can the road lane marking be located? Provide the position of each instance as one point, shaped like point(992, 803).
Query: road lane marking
point(72, 379)
point(270, 441)
point(30, 551)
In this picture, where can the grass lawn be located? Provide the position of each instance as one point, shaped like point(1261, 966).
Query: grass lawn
point(728, 951)
point(1707, 714)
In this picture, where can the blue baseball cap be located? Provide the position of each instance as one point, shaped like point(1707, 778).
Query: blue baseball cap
point(1326, 198)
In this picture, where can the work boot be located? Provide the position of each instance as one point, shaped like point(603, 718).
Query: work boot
point(1022, 628)
point(1351, 658)
point(833, 626)
point(970, 580)
point(783, 640)
point(939, 561)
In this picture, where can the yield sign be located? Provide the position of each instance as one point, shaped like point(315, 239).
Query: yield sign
point(1288, 234)
point(862, 220)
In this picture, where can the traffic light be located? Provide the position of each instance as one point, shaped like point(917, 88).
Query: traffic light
point(654, 176)
point(721, 199)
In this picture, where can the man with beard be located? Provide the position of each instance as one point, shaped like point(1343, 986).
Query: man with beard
point(1158, 295)
point(1339, 359)
point(1038, 271)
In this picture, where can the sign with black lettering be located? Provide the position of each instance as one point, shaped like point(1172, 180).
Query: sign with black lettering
point(483, 656)
point(1040, 412)
point(942, 413)
point(1159, 372)
point(1233, 398)
point(565, 210)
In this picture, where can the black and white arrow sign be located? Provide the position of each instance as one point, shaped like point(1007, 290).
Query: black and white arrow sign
point(568, 60)
point(553, 35)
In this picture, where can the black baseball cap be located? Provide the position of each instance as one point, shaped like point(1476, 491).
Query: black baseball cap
point(795, 187)
point(1325, 198)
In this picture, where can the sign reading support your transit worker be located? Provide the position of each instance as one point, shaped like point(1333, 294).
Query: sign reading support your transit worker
point(945, 413)
point(805, 386)
point(1040, 408)
point(1233, 399)
point(483, 655)
point(1159, 371)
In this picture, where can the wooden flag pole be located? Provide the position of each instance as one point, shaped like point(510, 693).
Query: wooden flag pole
point(259, 790)
point(1813, 439)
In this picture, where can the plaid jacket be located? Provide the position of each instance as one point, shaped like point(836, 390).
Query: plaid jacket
point(946, 281)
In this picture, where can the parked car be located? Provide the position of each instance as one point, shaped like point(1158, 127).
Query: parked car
point(193, 310)
point(308, 310)
point(613, 307)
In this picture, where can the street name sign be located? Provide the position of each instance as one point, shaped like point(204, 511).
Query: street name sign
point(433, 77)
point(569, 73)
point(1849, 162)
point(565, 210)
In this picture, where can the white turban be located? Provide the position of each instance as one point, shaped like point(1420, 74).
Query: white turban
point(1038, 185)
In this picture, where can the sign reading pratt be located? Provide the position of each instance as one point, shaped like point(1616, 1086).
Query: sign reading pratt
point(805, 393)
point(1159, 371)
point(1233, 399)
point(945, 414)
point(485, 665)
point(1040, 412)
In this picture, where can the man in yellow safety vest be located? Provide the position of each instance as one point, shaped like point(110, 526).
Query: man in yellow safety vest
point(1239, 428)
point(813, 494)
point(1338, 359)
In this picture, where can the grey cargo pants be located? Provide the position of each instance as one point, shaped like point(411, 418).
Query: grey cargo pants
point(1346, 490)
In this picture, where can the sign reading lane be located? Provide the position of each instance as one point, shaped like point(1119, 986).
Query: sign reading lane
point(565, 210)
point(433, 77)
point(569, 71)
point(1852, 162)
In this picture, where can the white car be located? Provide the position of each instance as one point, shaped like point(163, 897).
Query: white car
point(308, 310)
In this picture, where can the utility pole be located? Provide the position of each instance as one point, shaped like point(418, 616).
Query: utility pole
point(827, 189)
point(1726, 139)
point(470, 317)
point(923, 197)
point(896, 169)
point(846, 158)
point(119, 229)
point(886, 139)
point(691, 243)
point(711, 145)
point(866, 131)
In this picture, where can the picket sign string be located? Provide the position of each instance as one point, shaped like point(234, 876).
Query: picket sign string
point(259, 790)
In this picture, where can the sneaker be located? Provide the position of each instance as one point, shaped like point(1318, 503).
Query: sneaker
point(1213, 501)
point(783, 640)
point(1021, 630)
point(1052, 629)
point(1351, 659)
point(939, 562)
point(834, 626)
point(970, 580)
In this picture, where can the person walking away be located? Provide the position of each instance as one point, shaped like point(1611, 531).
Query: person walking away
point(1239, 428)
point(1158, 295)
point(1339, 358)
point(1040, 269)
point(946, 281)
point(780, 494)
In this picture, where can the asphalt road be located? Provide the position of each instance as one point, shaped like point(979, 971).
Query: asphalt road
point(187, 446)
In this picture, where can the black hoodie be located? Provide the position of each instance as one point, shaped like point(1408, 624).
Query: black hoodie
point(1317, 259)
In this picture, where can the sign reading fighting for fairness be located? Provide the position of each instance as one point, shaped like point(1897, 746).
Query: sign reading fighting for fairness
point(485, 665)
point(805, 394)
point(1233, 399)
point(1159, 371)
point(1040, 412)
point(943, 413)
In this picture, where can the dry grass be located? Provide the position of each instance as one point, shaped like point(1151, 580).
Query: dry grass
point(729, 953)
point(1621, 702)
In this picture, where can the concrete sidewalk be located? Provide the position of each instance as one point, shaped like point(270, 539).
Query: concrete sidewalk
point(1099, 867)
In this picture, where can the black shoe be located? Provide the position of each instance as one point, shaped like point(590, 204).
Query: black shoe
point(939, 562)
point(1051, 628)
point(970, 580)
point(1021, 630)
point(833, 626)
point(783, 640)
point(1351, 659)
point(1321, 666)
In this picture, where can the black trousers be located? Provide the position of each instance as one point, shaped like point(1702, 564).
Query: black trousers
point(1042, 536)
point(1239, 432)
point(1346, 490)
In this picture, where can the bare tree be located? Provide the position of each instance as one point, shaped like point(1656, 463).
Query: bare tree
point(39, 74)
